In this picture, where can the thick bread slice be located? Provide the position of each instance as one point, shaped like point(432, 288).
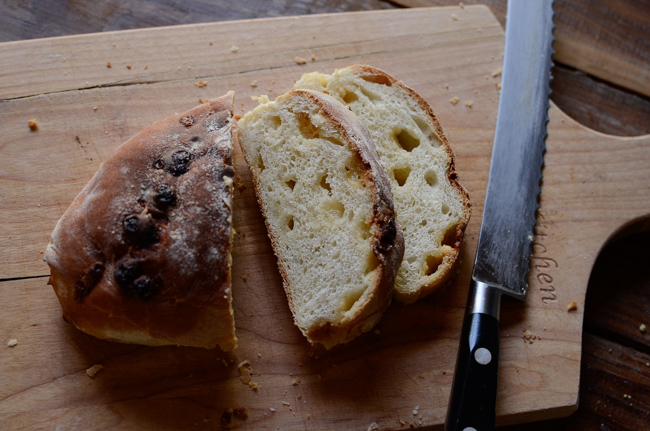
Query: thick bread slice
point(329, 212)
point(143, 253)
point(432, 207)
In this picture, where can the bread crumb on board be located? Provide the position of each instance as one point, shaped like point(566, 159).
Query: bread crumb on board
point(12, 342)
point(454, 17)
point(108, 64)
point(296, 381)
point(254, 84)
point(642, 327)
point(416, 410)
point(245, 372)
point(373, 426)
point(300, 60)
point(573, 306)
point(92, 371)
point(234, 49)
point(201, 84)
point(529, 337)
point(469, 103)
point(33, 125)
point(453, 100)
point(497, 73)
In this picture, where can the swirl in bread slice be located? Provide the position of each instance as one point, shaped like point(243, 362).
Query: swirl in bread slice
point(142, 255)
point(329, 212)
point(432, 207)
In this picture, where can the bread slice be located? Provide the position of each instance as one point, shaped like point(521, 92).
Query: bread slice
point(432, 207)
point(142, 255)
point(329, 212)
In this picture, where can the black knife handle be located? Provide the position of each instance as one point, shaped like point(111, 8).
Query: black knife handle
point(474, 390)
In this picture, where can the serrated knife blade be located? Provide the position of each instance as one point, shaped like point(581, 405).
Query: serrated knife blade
point(504, 247)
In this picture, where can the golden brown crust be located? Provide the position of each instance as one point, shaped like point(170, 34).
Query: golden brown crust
point(454, 242)
point(143, 253)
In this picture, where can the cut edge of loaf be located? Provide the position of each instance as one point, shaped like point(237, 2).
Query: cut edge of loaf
point(446, 263)
point(387, 242)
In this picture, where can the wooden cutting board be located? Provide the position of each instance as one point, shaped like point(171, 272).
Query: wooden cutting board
point(90, 93)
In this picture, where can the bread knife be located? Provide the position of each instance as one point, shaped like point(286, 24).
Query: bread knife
point(505, 241)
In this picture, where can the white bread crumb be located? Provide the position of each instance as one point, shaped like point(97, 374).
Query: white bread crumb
point(92, 371)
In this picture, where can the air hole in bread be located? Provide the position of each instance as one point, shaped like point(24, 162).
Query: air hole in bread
point(276, 121)
point(334, 207)
point(370, 95)
point(450, 237)
point(291, 184)
point(325, 185)
point(290, 223)
point(402, 174)
point(336, 255)
point(350, 97)
point(445, 209)
point(260, 164)
point(377, 79)
point(371, 264)
point(433, 262)
point(407, 141)
point(334, 141)
point(431, 178)
point(350, 299)
point(423, 222)
point(306, 127)
point(364, 230)
point(426, 129)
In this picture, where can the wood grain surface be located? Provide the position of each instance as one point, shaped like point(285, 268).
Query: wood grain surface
point(623, 368)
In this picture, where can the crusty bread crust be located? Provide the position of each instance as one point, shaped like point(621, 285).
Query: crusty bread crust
point(387, 240)
point(142, 255)
point(450, 249)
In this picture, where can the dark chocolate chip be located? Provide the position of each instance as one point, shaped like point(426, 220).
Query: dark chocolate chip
point(180, 162)
point(87, 281)
point(195, 139)
point(229, 171)
point(126, 273)
point(143, 287)
point(165, 197)
point(129, 276)
point(140, 230)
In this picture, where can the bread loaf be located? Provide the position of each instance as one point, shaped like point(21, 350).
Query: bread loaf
point(329, 211)
point(432, 207)
point(142, 255)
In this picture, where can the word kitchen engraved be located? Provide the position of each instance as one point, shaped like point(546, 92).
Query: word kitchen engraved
point(543, 266)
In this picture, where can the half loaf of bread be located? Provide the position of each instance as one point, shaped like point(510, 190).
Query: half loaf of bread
point(142, 255)
point(329, 212)
point(432, 207)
